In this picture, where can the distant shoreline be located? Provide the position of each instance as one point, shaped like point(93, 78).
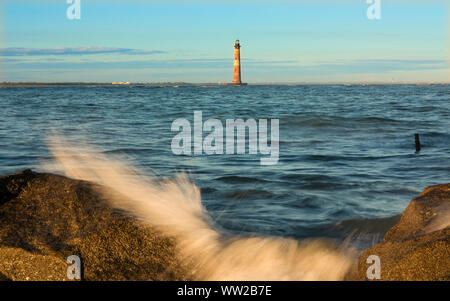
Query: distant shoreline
point(23, 84)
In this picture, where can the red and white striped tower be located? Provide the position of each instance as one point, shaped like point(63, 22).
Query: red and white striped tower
point(237, 64)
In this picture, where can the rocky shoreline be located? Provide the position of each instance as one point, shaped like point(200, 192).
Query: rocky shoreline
point(44, 218)
point(417, 248)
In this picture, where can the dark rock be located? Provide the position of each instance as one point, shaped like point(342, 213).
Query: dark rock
point(4, 278)
point(45, 218)
point(418, 246)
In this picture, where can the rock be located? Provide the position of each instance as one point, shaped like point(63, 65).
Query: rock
point(45, 218)
point(19, 264)
point(4, 278)
point(430, 208)
point(418, 246)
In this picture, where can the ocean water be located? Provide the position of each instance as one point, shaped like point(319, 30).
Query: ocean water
point(346, 152)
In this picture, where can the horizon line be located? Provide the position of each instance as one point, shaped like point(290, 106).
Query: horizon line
point(124, 83)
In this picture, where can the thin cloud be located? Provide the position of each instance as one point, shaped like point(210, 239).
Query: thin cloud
point(377, 65)
point(204, 63)
point(74, 51)
point(338, 66)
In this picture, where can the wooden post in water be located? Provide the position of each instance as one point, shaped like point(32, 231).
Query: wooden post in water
point(418, 147)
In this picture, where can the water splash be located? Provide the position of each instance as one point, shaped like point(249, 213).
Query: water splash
point(174, 206)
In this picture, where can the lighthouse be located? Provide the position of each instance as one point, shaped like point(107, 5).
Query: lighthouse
point(237, 65)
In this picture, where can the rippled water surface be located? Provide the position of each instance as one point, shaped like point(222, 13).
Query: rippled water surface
point(345, 151)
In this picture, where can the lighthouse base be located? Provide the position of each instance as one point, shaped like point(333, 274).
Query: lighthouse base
point(235, 84)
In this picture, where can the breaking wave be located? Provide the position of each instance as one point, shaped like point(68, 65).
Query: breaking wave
point(174, 206)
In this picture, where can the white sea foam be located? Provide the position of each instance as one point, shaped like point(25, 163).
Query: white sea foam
point(174, 206)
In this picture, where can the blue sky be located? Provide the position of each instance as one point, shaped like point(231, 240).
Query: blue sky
point(192, 41)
